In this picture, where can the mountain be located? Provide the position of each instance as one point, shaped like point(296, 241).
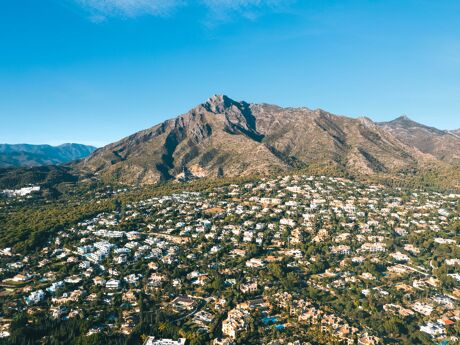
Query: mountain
point(25, 155)
point(47, 175)
point(223, 137)
point(444, 145)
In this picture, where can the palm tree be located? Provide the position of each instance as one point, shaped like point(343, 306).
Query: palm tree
point(163, 327)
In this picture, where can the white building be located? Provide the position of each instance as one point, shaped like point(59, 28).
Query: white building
point(433, 329)
point(35, 297)
point(341, 250)
point(152, 341)
point(85, 249)
point(422, 308)
point(287, 221)
point(235, 322)
point(112, 284)
point(21, 192)
point(373, 247)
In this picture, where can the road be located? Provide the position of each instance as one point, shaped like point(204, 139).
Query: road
point(198, 308)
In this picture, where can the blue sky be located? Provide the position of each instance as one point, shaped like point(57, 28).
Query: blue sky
point(93, 71)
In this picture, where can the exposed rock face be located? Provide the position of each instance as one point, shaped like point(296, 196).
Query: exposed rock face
point(222, 137)
point(444, 145)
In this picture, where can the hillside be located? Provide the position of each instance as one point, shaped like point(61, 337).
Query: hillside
point(48, 176)
point(443, 145)
point(223, 137)
point(25, 155)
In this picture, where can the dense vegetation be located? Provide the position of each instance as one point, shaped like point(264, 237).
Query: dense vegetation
point(26, 227)
point(49, 176)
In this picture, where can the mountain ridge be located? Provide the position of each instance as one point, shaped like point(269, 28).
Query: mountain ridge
point(442, 144)
point(28, 155)
point(224, 137)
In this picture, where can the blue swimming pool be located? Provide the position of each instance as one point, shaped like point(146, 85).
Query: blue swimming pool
point(269, 320)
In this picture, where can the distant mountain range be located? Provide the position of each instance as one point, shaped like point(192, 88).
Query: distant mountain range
point(224, 137)
point(25, 155)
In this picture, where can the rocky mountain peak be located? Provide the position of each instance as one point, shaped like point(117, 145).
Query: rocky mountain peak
point(405, 123)
point(402, 118)
point(366, 121)
point(219, 103)
point(402, 121)
point(224, 137)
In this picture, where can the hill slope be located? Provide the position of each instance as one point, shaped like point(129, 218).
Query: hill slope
point(444, 145)
point(25, 155)
point(48, 176)
point(229, 138)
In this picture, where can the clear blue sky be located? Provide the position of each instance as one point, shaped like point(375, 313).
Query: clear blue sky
point(93, 71)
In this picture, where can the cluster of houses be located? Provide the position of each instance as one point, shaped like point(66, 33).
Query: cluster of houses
point(12, 193)
point(257, 240)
